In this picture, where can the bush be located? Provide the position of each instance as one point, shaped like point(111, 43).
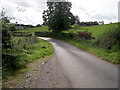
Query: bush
point(16, 57)
point(110, 39)
point(63, 35)
point(84, 35)
point(43, 34)
point(20, 34)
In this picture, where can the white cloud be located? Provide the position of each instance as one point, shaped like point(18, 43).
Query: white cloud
point(87, 10)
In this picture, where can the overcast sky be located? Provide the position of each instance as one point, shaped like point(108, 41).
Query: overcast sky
point(87, 10)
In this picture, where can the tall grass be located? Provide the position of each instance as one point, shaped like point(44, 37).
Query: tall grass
point(110, 39)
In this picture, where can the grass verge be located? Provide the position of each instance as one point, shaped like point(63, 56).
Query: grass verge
point(107, 55)
point(19, 77)
point(30, 50)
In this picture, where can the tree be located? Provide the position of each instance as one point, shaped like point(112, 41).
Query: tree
point(77, 20)
point(58, 16)
point(7, 43)
point(38, 25)
point(6, 33)
point(5, 19)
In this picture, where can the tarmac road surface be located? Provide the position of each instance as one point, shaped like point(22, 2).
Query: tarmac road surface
point(71, 67)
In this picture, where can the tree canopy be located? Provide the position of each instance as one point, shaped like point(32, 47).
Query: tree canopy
point(58, 16)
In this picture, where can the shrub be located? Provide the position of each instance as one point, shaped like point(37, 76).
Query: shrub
point(84, 35)
point(20, 34)
point(43, 34)
point(16, 57)
point(110, 39)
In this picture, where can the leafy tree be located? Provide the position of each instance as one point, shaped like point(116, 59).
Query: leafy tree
point(58, 16)
point(38, 25)
point(77, 20)
point(5, 19)
point(7, 44)
point(6, 33)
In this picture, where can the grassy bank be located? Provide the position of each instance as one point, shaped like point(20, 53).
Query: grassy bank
point(25, 55)
point(100, 52)
point(19, 77)
point(24, 51)
point(105, 35)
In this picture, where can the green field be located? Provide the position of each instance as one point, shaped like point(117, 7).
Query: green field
point(98, 32)
point(32, 30)
point(95, 30)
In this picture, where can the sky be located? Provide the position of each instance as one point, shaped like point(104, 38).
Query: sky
point(87, 10)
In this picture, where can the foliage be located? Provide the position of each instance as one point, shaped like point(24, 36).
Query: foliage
point(84, 35)
point(7, 44)
point(77, 20)
point(88, 23)
point(58, 16)
point(19, 34)
point(87, 45)
point(109, 39)
point(43, 34)
point(99, 32)
point(33, 30)
point(38, 25)
point(24, 51)
point(100, 45)
point(20, 48)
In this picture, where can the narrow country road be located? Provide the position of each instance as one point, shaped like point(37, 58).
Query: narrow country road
point(71, 67)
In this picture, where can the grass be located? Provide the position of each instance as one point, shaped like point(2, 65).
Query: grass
point(20, 75)
point(102, 53)
point(40, 50)
point(27, 49)
point(31, 52)
point(95, 30)
point(32, 30)
point(88, 45)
